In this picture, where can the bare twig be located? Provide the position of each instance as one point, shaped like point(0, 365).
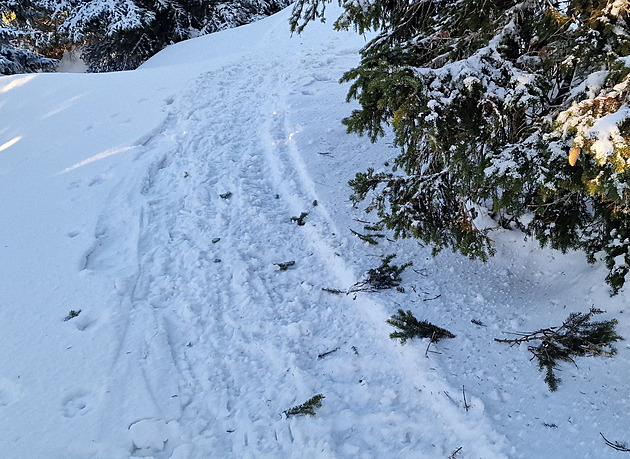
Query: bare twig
point(431, 299)
point(455, 453)
point(466, 405)
point(616, 445)
point(426, 353)
point(324, 354)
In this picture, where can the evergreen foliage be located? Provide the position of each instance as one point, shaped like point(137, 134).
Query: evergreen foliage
point(72, 314)
point(384, 277)
point(301, 219)
point(115, 34)
point(28, 38)
point(517, 109)
point(410, 327)
point(307, 407)
point(120, 35)
point(578, 336)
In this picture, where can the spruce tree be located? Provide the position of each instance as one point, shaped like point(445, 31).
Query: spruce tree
point(122, 34)
point(29, 41)
point(518, 109)
point(112, 34)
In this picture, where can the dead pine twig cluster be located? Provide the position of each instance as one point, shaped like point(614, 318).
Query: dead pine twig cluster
point(578, 336)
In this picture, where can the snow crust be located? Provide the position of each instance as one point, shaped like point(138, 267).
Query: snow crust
point(159, 203)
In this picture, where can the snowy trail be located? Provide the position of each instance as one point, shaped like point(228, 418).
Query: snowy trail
point(216, 339)
point(158, 207)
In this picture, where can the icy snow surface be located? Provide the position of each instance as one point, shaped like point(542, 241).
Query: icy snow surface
point(159, 203)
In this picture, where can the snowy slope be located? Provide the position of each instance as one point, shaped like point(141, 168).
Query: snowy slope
point(159, 203)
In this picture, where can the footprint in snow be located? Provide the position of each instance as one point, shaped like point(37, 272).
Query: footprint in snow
point(75, 403)
point(9, 392)
point(149, 435)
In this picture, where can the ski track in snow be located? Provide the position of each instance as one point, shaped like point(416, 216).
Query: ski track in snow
point(163, 215)
point(219, 338)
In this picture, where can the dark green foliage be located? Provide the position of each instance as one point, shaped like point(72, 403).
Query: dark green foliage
point(301, 219)
point(28, 38)
point(307, 407)
point(495, 109)
point(384, 277)
point(112, 34)
point(369, 238)
point(15, 60)
point(410, 327)
point(286, 265)
point(578, 336)
point(72, 314)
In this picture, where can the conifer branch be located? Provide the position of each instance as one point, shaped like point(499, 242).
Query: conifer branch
point(306, 408)
point(410, 327)
point(578, 336)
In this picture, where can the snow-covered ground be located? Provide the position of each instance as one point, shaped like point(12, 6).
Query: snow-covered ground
point(159, 203)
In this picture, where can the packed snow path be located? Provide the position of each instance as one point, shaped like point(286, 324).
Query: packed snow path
point(220, 337)
point(164, 217)
point(215, 338)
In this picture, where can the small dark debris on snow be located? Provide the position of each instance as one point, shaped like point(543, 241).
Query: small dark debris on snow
point(300, 220)
point(616, 445)
point(226, 195)
point(215, 240)
point(324, 354)
point(186, 175)
point(72, 314)
point(217, 260)
point(286, 265)
point(431, 299)
point(478, 322)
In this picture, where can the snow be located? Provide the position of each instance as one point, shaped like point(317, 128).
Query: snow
point(606, 133)
point(159, 203)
